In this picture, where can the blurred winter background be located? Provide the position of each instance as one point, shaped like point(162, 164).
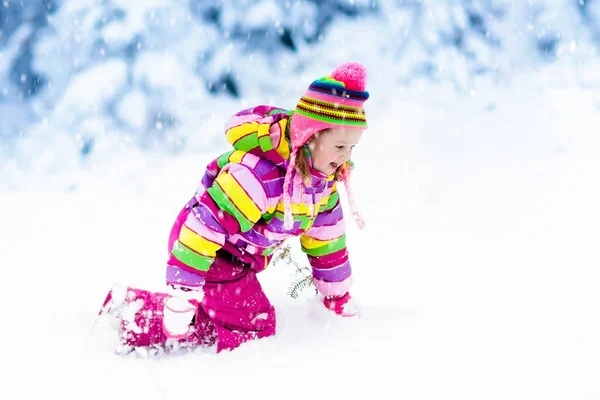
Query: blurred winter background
point(83, 82)
point(478, 273)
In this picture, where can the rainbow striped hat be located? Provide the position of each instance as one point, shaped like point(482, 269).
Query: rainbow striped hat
point(334, 101)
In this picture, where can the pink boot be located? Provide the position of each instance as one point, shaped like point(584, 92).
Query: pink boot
point(141, 320)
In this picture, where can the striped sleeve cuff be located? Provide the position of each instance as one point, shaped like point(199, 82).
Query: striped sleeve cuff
point(333, 288)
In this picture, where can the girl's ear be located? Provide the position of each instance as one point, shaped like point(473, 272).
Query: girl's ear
point(311, 143)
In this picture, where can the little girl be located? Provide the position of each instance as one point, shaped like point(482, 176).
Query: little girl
point(280, 180)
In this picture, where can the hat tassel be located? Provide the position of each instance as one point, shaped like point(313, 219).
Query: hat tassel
point(358, 220)
point(288, 219)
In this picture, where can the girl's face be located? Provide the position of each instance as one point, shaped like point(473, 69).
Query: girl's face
point(332, 147)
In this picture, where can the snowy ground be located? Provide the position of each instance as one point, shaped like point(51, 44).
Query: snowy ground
point(477, 275)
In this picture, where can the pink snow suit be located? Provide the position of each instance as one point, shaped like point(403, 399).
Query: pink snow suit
point(240, 214)
point(230, 228)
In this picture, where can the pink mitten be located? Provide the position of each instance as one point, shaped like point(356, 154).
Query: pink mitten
point(341, 305)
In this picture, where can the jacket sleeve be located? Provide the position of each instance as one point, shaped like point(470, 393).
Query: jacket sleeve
point(325, 245)
point(233, 203)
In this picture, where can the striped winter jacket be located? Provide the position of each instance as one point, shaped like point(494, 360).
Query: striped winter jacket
point(239, 206)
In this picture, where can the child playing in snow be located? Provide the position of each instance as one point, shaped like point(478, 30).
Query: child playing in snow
point(280, 180)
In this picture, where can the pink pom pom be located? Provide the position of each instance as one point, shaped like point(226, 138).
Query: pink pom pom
point(353, 74)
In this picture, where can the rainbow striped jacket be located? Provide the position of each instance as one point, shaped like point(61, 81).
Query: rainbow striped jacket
point(239, 207)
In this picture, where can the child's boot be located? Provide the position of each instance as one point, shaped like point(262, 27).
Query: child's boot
point(179, 311)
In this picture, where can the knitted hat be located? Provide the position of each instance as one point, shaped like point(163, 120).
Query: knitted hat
point(334, 101)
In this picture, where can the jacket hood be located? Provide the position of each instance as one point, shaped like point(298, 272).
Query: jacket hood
point(263, 131)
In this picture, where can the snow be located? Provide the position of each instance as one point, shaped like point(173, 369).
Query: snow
point(476, 277)
point(133, 108)
point(92, 88)
point(123, 32)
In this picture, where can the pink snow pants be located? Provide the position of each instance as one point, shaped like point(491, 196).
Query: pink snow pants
point(234, 309)
point(235, 303)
